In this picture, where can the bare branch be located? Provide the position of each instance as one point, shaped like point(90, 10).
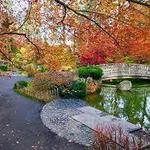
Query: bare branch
point(86, 17)
point(27, 38)
point(64, 15)
point(5, 56)
point(26, 18)
point(109, 16)
point(14, 32)
point(147, 4)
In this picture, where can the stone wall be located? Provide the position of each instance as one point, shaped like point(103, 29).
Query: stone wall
point(125, 70)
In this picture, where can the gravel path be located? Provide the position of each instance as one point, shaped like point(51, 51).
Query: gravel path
point(20, 124)
point(56, 116)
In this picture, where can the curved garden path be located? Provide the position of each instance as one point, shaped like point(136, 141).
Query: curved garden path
point(20, 124)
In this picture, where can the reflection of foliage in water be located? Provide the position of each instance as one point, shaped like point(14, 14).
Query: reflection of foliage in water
point(133, 106)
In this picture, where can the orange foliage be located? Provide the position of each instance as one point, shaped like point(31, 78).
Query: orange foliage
point(114, 137)
point(133, 43)
point(57, 58)
point(112, 29)
point(55, 78)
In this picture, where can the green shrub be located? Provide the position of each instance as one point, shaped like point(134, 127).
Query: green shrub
point(90, 71)
point(76, 89)
point(95, 72)
point(20, 84)
point(3, 68)
point(83, 72)
point(42, 69)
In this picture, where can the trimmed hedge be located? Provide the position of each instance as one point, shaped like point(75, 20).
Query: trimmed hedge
point(3, 68)
point(90, 71)
point(20, 84)
point(76, 89)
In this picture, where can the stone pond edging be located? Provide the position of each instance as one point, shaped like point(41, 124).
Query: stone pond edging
point(56, 116)
point(74, 120)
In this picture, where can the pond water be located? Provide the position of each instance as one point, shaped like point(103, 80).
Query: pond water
point(133, 106)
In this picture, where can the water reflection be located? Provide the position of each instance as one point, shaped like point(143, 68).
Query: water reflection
point(133, 106)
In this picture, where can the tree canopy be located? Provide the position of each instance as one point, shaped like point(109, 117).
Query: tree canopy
point(109, 30)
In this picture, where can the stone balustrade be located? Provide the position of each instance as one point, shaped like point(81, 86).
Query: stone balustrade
point(113, 71)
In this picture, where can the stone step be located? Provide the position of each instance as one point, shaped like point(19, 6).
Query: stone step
point(94, 118)
point(92, 111)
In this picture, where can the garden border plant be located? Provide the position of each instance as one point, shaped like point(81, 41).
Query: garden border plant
point(76, 89)
point(94, 72)
point(92, 76)
point(68, 86)
point(4, 68)
point(113, 137)
point(25, 88)
point(44, 86)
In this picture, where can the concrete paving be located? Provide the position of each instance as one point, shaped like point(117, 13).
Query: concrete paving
point(20, 124)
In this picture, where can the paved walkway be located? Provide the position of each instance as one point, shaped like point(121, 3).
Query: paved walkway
point(74, 120)
point(20, 124)
point(57, 116)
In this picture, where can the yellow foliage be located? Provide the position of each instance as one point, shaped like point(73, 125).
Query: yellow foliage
point(58, 58)
point(31, 70)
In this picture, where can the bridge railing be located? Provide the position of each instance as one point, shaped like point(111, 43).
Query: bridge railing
point(114, 70)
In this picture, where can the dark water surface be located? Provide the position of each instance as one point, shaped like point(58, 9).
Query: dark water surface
point(133, 106)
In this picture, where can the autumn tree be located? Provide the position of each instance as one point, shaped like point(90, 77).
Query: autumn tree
point(83, 25)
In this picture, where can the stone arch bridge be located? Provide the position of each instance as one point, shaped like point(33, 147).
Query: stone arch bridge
point(115, 71)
